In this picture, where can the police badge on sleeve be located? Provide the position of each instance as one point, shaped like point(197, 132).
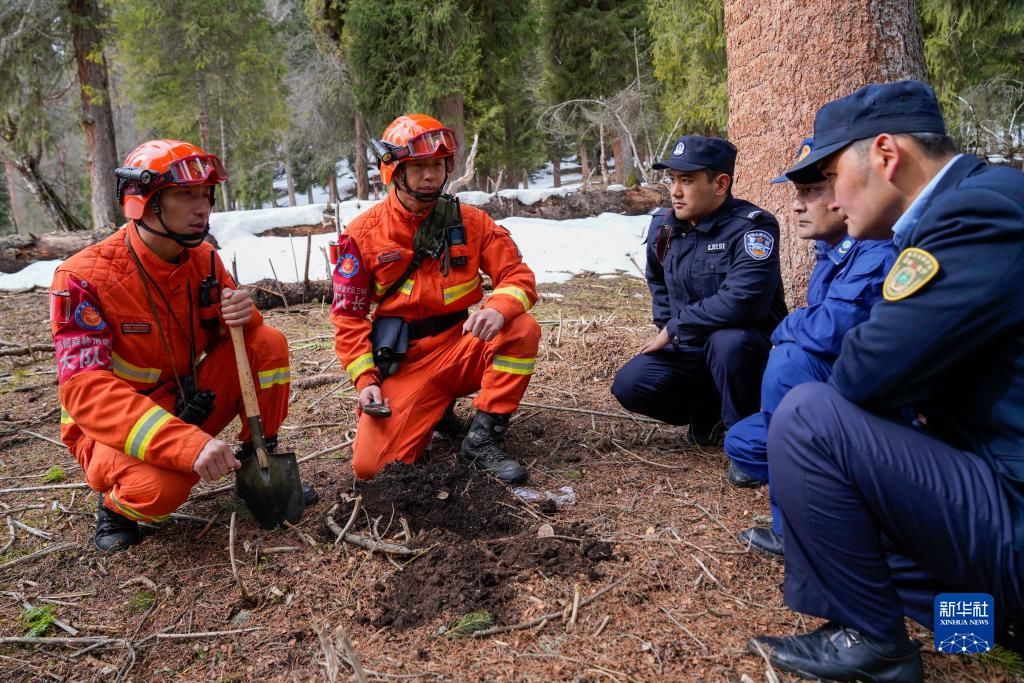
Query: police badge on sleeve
point(759, 244)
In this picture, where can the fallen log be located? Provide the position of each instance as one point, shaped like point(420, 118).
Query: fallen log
point(19, 250)
point(582, 203)
point(265, 292)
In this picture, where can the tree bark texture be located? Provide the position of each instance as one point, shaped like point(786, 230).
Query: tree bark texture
point(785, 60)
point(55, 210)
point(97, 117)
point(225, 187)
point(556, 171)
point(454, 116)
point(362, 176)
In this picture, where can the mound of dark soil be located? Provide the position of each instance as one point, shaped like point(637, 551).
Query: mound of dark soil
point(441, 495)
point(457, 576)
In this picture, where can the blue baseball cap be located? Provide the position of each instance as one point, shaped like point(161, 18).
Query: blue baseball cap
point(811, 174)
point(694, 152)
point(900, 107)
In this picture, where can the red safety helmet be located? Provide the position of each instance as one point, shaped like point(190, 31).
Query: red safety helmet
point(414, 136)
point(158, 164)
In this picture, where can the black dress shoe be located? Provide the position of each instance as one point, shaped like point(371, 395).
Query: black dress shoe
point(309, 494)
point(762, 540)
point(836, 653)
point(115, 532)
point(738, 477)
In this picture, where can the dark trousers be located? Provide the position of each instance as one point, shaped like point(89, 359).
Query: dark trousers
point(697, 385)
point(880, 517)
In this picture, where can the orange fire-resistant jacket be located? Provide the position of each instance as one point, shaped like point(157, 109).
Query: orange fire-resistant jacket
point(109, 352)
point(375, 251)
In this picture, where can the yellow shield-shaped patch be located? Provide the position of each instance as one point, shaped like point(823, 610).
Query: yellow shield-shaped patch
point(913, 270)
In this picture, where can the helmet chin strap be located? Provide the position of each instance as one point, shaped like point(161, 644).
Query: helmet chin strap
point(419, 196)
point(186, 241)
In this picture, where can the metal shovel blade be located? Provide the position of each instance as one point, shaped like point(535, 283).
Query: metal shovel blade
point(273, 495)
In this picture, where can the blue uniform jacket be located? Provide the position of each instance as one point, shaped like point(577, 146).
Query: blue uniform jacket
point(954, 350)
point(845, 284)
point(721, 273)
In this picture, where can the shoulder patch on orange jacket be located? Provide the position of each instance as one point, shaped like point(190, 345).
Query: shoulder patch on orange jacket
point(351, 281)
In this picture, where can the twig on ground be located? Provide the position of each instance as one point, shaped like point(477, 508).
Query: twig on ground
point(277, 550)
point(571, 626)
point(547, 617)
point(645, 460)
point(332, 663)
point(26, 350)
point(600, 627)
point(204, 634)
point(350, 653)
point(769, 672)
point(31, 529)
point(381, 546)
point(139, 580)
point(340, 532)
point(280, 289)
point(599, 413)
point(330, 449)
point(44, 438)
point(685, 630)
point(82, 640)
point(59, 623)
point(712, 517)
point(36, 555)
point(316, 381)
point(231, 556)
point(706, 570)
point(10, 541)
point(47, 487)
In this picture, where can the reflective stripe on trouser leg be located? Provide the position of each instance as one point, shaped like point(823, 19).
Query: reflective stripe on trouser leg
point(512, 361)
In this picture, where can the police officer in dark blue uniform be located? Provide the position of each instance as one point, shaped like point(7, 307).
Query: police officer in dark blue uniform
point(845, 283)
point(713, 272)
point(879, 516)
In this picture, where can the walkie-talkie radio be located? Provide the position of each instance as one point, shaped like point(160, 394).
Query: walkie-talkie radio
point(209, 297)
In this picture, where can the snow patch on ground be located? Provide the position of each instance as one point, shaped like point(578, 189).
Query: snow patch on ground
point(555, 250)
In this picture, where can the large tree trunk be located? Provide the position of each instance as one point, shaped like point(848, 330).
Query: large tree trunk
point(453, 116)
point(17, 251)
point(225, 187)
point(97, 118)
point(778, 77)
point(623, 162)
point(362, 177)
point(289, 175)
point(584, 163)
point(556, 171)
point(332, 188)
point(204, 114)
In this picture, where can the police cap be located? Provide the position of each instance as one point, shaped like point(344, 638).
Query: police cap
point(811, 174)
point(694, 152)
point(900, 107)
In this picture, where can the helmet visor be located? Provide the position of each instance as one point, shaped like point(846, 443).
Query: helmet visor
point(430, 143)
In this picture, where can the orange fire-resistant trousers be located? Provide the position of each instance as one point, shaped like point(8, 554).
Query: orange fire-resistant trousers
point(436, 371)
point(141, 491)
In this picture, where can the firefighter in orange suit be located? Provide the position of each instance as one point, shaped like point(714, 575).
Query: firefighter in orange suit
point(451, 352)
point(131, 318)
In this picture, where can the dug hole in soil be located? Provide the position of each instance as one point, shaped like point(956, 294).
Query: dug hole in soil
point(476, 541)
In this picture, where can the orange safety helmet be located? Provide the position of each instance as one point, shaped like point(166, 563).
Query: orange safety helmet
point(414, 136)
point(157, 164)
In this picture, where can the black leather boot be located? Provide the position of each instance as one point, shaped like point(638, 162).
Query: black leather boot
point(483, 447)
point(763, 540)
point(738, 477)
point(836, 653)
point(115, 532)
point(309, 493)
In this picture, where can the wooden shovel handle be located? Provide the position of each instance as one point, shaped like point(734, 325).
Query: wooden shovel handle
point(252, 406)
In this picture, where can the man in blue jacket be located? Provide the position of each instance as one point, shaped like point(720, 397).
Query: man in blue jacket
point(845, 284)
point(716, 290)
point(880, 517)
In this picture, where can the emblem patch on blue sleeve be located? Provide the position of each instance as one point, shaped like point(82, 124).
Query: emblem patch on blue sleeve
point(759, 244)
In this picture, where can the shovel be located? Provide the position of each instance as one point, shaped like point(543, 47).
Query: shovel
point(269, 483)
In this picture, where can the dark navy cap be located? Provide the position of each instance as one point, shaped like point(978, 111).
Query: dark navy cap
point(810, 174)
point(900, 107)
point(694, 152)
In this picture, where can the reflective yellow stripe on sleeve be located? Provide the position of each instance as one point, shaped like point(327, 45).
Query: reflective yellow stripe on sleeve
point(516, 292)
point(65, 417)
point(143, 431)
point(134, 373)
point(513, 365)
point(269, 378)
point(406, 287)
point(359, 366)
point(456, 292)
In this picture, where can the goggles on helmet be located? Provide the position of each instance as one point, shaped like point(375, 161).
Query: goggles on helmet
point(193, 170)
point(423, 146)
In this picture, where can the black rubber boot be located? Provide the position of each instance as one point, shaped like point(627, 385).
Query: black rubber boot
point(483, 447)
point(449, 426)
point(309, 493)
point(115, 532)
